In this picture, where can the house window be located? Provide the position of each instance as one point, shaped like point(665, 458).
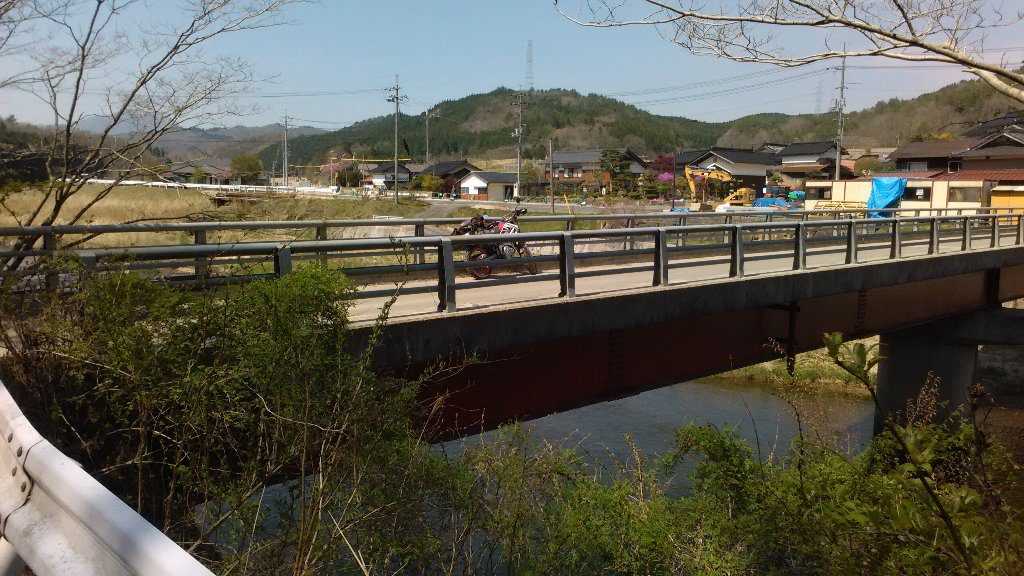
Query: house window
point(955, 165)
point(965, 194)
point(917, 166)
point(465, 190)
point(819, 193)
point(922, 193)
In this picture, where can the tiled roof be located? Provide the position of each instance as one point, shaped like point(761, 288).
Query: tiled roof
point(689, 157)
point(994, 152)
point(442, 169)
point(805, 148)
point(388, 168)
point(908, 175)
point(931, 149)
point(743, 156)
point(984, 175)
point(495, 177)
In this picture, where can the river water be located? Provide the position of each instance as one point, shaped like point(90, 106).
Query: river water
point(757, 410)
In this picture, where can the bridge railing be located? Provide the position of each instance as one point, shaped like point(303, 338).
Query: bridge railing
point(384, 265)
point(59, 520)
point(44, 238)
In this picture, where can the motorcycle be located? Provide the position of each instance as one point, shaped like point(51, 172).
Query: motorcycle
point(494, 251)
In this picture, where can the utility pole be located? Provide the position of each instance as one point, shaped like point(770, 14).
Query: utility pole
point(519, 140)
point(429, 114)
point(286, 150)
point(551, 172)
point(397, 99)
point(841, 105)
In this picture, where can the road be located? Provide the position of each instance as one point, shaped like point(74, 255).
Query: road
point(694, 269)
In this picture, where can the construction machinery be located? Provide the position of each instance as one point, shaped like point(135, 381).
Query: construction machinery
point(699, 180)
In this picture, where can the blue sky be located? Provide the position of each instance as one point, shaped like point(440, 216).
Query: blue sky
point(446, 49)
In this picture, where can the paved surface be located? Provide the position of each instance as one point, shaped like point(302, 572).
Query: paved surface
point(697, 269)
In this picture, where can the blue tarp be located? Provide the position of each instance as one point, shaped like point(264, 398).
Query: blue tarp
point(772, 203)
point(885, 193)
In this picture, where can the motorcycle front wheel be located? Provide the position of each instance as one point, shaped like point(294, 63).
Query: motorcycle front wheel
point(531, 267)
point(481, 272)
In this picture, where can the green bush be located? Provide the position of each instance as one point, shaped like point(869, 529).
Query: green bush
point(247, 424)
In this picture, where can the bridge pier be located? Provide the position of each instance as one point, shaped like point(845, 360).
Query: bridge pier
point(944, 352)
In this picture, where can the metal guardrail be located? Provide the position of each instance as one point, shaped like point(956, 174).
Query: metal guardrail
point(59, 520)
point(787, 239)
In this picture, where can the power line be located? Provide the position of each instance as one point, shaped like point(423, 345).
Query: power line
point(736, 90)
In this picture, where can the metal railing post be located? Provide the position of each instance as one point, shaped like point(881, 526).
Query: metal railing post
point(736, 254)
point(896, 247)
point(50, 245)
point(933, 237)
point(800, 248)
point(1020, 229)
point(202, 267)
point(660, 258)
point(627, 242)
point(421, 252)
point(682, 237)
point(446, 276)
point(851, 242)
point(728, 222)
point(679, 238)
point(282, 261)
point(321, 234)
point(995, 232)
point(966, 245)
point(566, 266)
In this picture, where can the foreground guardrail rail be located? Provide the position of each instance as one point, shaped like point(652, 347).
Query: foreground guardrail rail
point(59, 520)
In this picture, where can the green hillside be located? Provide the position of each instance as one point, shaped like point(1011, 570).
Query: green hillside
point(481, 126)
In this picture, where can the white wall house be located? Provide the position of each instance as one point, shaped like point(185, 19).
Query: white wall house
point(384, 175)
point(481, 185)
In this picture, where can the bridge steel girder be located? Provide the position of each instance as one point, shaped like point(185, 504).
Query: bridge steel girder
point(539, 359)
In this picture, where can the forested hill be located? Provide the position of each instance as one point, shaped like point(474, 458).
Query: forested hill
point(481, 125)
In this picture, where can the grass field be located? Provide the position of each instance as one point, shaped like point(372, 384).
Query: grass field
point(136, 203)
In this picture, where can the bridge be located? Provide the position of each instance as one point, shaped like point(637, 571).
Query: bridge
point(640, 302)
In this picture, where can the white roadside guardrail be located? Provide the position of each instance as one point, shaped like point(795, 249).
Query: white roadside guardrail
point(57, 519)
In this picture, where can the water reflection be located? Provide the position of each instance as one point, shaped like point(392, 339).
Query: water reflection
point(599, 431)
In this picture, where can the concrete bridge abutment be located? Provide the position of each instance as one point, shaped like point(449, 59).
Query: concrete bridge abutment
point(943, 354)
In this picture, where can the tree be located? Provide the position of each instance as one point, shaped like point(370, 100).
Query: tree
point(199, 176)
point(427, 182)
point(946, 31)
point(871, 165)
point(615, 163)
point(247, 168)
point(74, 56)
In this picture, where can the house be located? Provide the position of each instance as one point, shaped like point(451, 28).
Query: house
point(583, 167)
point(455, 170)
point(929, 155)
point(1000, 150)
point(770, 148)
point(960, 189)
point(384, 175)
point(688, 158)
point(800, 161)
point(746, 166)
point(480, 185)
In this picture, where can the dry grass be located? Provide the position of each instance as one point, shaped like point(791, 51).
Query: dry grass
point(134, 204)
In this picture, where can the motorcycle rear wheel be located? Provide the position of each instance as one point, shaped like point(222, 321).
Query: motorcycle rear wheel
point(531, 267)
point(481, 272)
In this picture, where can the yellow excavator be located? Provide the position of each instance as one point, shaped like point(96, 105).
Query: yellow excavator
point(735, 197)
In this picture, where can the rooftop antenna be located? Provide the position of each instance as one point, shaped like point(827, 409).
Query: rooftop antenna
point(528, 82)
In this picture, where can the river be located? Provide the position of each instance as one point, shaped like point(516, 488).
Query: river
point(599, 432)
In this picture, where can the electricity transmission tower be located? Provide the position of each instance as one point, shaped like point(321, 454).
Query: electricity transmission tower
point(397, 98)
